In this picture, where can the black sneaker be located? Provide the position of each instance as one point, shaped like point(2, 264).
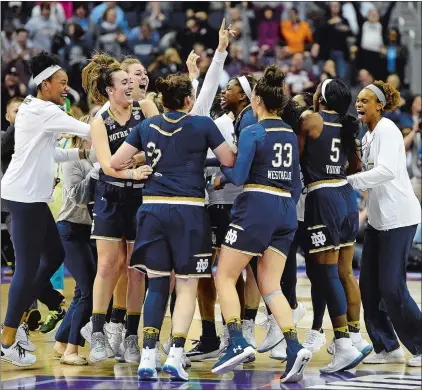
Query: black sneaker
point(32, 319)
point(53, 319)
point(205, 348)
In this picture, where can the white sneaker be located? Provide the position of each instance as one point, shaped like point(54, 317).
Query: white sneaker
point(22, 335)
point(173, 364)
point(331, 347)
point(415, 361)
point(299, 313)
point(157, 356)
point(147, 367)
point(346, 357)
point(274, 335)
point(86, 331)
point(248, 330)
point(224, 339)
point(130, 349)
point(314, 340)
point(361, 344)
point(17, 355)
point(98, 351)
point(396, 356)
point(186, 361)
point(279, 352)
point(114, 336)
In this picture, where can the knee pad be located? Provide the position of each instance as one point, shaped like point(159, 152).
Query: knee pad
point(267, 298)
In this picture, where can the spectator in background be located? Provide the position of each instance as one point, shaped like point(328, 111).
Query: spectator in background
point(298, 80)
point(164, 64)
point(75, 55)
point(328, 71)
point(331, 41)
point(396, 53)
point(254, 62)
point(188, 37)
point(109, 36)
point(97, 15)
point(20, 52)
point(405, 94)
point(296, 33)
point(8, 136)
point(370, 41)
point(11, 87)
point(80, 16)
point(15, 15)
point(143, 43)
point(268, 30)
point(235, 62)
point(42, 28)
point(57, 13)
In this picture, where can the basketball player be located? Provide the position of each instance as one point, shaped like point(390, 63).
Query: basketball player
point(173, 226)
point(118, 195)
point(393, 215)
point(26, 188)
point(263, 223)
point(326, 143)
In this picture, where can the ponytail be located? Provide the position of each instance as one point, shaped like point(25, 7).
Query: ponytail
point(349, 133)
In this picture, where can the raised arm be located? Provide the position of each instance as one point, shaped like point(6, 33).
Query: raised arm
point(209, 88)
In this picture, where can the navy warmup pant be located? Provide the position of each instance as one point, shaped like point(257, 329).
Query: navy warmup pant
point(387, 304)
point(38, 251)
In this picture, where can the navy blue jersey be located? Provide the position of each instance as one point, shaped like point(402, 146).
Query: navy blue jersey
point(115, 132)
point(268, 156)
point(243, 120)
point(176, 146)
point(324, 158)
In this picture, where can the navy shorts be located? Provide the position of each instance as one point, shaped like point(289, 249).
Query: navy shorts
point(172, 236)
point(331, 218)
point(220, 220)
point(115, 211)
point(260, 221)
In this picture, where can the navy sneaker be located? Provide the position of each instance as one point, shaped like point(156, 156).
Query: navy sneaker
point(297, 360)
point(236, 353)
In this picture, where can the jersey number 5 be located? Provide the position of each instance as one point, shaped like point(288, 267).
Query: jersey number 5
point(335, 155)
point(278, 160)
point(153, 153)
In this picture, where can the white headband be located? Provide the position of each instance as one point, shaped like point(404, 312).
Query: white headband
point(245, 86)
point(46, 73)
point(379, 94)
point(324, 86)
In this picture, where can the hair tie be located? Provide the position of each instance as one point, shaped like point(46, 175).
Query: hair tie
point(46, 73)
point(324, 87)
point(245, 86)
point(378, 92)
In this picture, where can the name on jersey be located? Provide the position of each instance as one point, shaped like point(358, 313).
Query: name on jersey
point(279, 175)
point(333, 169)
point(119, 134)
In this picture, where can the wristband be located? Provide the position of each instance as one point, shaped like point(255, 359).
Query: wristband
point(130, 174)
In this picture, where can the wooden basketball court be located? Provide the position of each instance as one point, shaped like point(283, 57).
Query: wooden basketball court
point(48, 373)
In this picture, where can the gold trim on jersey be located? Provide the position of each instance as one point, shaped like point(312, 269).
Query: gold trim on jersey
point(173, 120)
point(93, 237)
point(266, 189)
point(142, 268)
point(166, 133)
point(347, 244)
point(183, 200)
point(237, 226)
point(333, 124)
point(324, 249)
point(316, 227)
point(192, 276)
point(326, 183)
point(278, 251)
point(115, 119)
point(240, 251)
point(203, 255)
point(237, 119)
point(279, 129)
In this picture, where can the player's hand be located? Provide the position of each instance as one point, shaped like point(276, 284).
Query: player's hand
point(192, 64)
point(217, 183)
point(142, 172)
point(139, 158)
point(128, 164)
point(224, 35)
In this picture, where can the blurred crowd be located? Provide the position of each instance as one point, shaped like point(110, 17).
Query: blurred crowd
point(310, 41)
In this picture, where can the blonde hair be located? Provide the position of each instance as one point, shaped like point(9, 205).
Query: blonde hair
point(128, 61)
point(392, 96)
point(157, 98)
point(76, 111)
point(98, 75)
point(75, 141)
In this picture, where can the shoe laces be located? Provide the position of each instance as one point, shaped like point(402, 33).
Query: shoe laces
point(196, 344)
point(52, 316)
point(132, 344)
point(248, 325)
point(158, 354)
point(25, 328)
point(20, 350)
point(97, 342)
point(311, 337)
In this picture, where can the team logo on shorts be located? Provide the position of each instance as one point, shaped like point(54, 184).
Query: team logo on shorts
point(231, 236)
point(202, 265)
point(318, 239)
